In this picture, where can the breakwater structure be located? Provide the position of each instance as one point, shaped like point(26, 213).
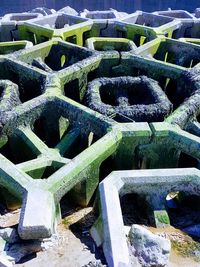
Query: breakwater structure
point(99, 105)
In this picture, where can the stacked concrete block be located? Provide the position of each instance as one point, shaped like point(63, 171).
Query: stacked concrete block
point(104, 14)
point(11, 25)
point(112, 97)
point(179, 14)
point(120, 29)
point(189, 23)
point(69, 61)
point(160, 24)
point(11, 47)
point(70, 115)
point(110, 44)
point(45, 152)
point(172, 51)
point(67, 27)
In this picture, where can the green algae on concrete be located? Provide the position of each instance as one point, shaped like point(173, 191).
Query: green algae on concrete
point(172, 51)
point(67, 27)
point(162, 25)
point(10, 47)
point(51, 144)
point(110, 44)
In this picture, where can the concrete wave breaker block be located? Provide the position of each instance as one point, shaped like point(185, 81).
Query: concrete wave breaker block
point(67, 27)
point(59, 155)
point(70, 62)
point(160, 24)
point(109, 231)
point(24, 174)
point(120, 29)
point(189, 23)
point(12, 24)
point(179, 14)
point(102, 14)
point(103, 44)
point(120, 96)
point(11, 47)
point(172, 51)
point(183, 80)
point(51, 143)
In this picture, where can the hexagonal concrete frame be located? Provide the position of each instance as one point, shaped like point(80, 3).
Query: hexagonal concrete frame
point(123, 96)
point(155, 185)
point(110, 44)
point(67, 27)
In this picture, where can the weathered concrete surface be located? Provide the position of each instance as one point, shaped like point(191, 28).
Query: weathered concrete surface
point(150, 249)
point(120, 96)
point(51, 144)
point(155, 185)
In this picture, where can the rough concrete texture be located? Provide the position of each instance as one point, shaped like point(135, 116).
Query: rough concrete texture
point(63, 25)
point(103, 44)
point(104, 14)
point(154, 185)
point(121, 96)
point(11, 24)
point(150, 249)
point(70, 115)
point(180, 14)
point(43, 11)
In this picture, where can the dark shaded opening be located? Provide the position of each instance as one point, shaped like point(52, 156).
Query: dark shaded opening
point(178, 54)
point(71, 90)
point(16, 150)
point(86, 35)
point(110, 46)
point(71, 39)
point(92, 75)
point(39, 128)
point(29, 86)
point(1, 92)
point(184, 211)
point(134, 209)
point(72, 55)
point(49, 129)
point(45, 172)
point(139, 39)
point(77, 147)
point(121, 34)
point(8, 202)
point(169, 86)
point(186, 161)
point(106, 167)
point(126, 94)
point(80, 144)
